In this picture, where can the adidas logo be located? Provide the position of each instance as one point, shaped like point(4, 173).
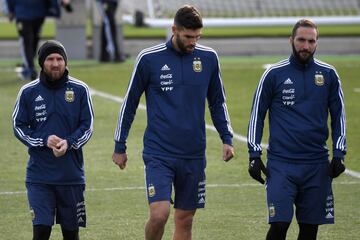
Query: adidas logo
point(288, 81)
point(329, 215)
point(202, 200)
point(39, 98)
point(165, 68)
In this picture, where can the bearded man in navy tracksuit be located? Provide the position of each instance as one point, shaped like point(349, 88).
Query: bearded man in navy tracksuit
point(177, 78)
point(53, 117)
point(299, 93)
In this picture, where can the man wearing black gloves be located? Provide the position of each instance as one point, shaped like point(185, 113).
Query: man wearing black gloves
point(299, 93)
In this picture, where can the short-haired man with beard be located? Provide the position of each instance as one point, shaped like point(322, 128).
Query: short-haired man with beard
point(299, 93)
point(177, 77)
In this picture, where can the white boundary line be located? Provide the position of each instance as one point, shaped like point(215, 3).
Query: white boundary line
point(242, 185)
point(352, 173)
point(210, 127)
point(357, 90)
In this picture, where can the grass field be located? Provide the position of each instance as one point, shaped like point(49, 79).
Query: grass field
point(115, 200)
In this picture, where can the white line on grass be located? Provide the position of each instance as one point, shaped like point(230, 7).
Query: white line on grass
point(8, 69)
point(242, 185)
point(357, 90)
point(352, 173)
point(111, 97)
point(210, 127)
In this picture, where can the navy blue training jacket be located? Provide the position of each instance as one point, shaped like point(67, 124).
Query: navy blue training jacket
point(176, 86)
point(66, 112)
point(299, 99)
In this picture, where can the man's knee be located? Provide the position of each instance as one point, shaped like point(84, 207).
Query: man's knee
point(159, 213)
point(184, 219)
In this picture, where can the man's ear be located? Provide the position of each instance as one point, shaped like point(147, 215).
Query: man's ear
point(173, 29)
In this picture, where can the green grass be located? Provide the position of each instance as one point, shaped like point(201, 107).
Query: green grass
point(235, 212)
point(8, 31)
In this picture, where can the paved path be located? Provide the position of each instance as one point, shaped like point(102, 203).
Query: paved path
point(224, 47)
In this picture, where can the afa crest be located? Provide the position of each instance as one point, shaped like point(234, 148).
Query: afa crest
point(32, 214)
point(69, 95)
point(197, 66)
point(272, 210)
point(319, 79)
point(151, 190)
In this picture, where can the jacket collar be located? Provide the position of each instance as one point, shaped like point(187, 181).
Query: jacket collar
point(45, 80)
point(170, 45)
point(294, 61)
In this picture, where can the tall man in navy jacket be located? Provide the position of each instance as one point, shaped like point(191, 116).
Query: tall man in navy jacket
point(177, 78)
point(299, 93)
point(53, 117)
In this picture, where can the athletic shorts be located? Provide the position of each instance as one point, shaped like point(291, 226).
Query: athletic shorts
point(307, 186)
point(65, 202)
point(187, 176)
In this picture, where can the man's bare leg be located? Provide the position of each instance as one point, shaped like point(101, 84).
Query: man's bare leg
point(183, 224)
point(159, 214)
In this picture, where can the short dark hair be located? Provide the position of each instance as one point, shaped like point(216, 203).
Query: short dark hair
point(304, 23)
point(188, 17)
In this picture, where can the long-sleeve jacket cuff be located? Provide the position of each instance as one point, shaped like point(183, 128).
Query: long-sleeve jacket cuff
point(70, 142)
point(338, 153)
point(45, 139)
point(256, 154)
point(120, 147)
point(227, 140)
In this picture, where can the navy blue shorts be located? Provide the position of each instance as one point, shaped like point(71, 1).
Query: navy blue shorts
point(66, 202)
point(307, 186)
point(186, 175)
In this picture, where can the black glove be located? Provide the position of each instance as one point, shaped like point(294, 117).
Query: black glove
point(256, 166)
point(336, 167)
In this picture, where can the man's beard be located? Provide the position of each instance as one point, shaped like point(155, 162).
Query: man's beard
point(54, 75)
point(182, 47)
point(299, 57)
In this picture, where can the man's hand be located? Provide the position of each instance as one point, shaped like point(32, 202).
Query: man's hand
point(228, 152)
point(52, 141)
point(336, 167)
point(256, 166)
point(120, 159)
point(60, 148)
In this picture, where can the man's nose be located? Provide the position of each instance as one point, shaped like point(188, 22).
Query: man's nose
point(306, 44)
